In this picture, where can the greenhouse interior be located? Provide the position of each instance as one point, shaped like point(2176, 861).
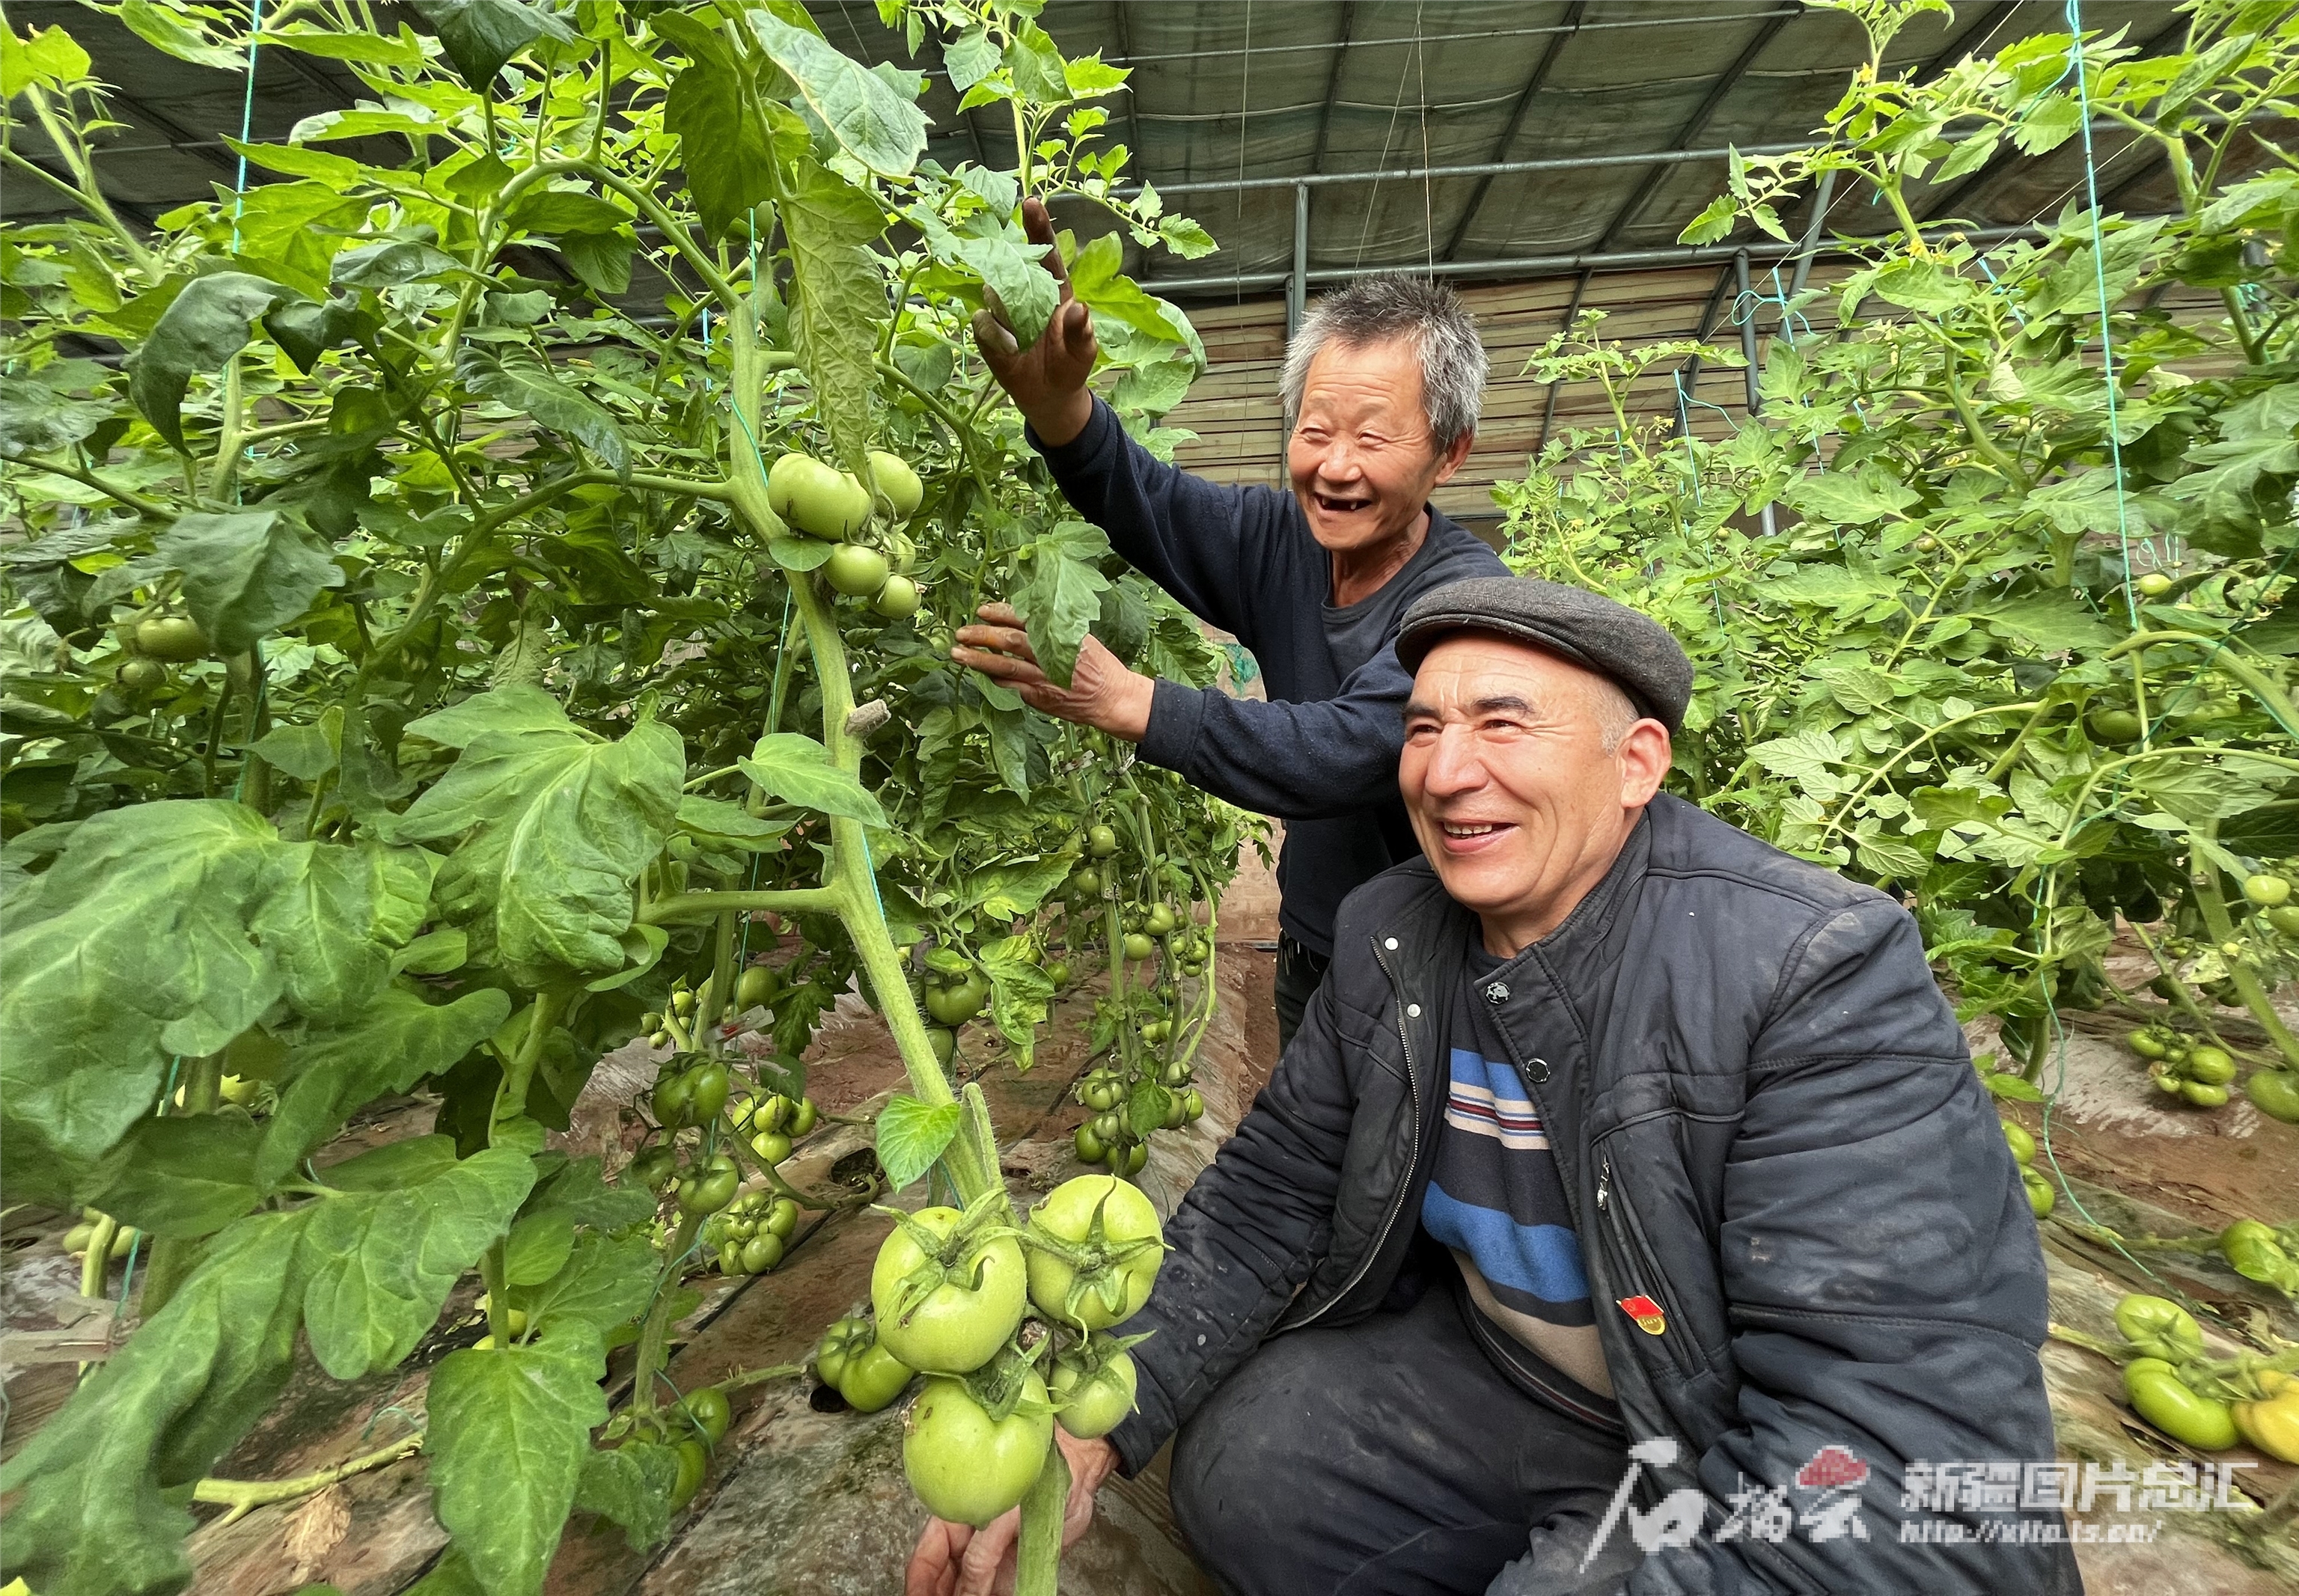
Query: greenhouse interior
point(1148, 798)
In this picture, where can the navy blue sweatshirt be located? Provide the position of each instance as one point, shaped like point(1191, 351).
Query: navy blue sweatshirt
point(1321, 755)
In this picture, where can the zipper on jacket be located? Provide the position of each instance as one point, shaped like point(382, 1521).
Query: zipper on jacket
point(1396, 1204)
point(1629, 1236)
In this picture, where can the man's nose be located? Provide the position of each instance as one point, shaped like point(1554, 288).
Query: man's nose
point(1453, 766)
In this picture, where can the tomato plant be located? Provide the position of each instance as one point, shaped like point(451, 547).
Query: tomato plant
point(2019, 645)
point(417, 682)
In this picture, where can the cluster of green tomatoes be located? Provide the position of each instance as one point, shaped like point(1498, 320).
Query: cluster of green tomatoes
point(2040, 1196)
point(2209, 1406)
point(1108, 1137)
point(823, 502)
point(157, 640)
point(747, 1235)
point(1010, 1327)
point(2193, 1072)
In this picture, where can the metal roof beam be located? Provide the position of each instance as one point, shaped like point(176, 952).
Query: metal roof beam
point(1692, 126)
point(1558, 265)
point(1133, 117)
point(1515, 123)
point(1333, 84)
point(1698, 19)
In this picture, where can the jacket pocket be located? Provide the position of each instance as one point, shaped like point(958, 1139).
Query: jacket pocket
point(1625, 1235)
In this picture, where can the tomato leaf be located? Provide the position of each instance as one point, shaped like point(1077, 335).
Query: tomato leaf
point(631, 1485)
point(104, 1482)
point(716, 824)
point(337, 914)
point(380, 1262)
point(526, 384)
point(606, 1281)
point(248, 573)
point(1060, 604)
point(1008, 891)
point(539, 1246)
point(725, 151)
point(1019, 993)
point(555, 827)
point(796, 768)
point(167, 33)
point(395, 1042)
point(187, 1176)
point(1147, 1106)
point(511, 1429)
point(205, 325)
point(480, 36)
point(911, 1136)
point(134, 946)
point(838, 299)
point(867, 115)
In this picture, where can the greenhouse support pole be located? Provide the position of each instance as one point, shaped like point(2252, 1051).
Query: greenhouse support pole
point(1811, 245)
point(1747, 313)
point(1297, 286)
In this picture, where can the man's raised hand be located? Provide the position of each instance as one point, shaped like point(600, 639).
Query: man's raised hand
point(1046, 381)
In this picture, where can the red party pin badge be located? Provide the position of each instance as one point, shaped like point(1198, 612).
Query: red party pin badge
point(1647, 1312)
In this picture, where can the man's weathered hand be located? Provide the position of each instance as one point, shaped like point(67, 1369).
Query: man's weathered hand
point(1046, 380)
point(957, 1560)
point(1103, 692)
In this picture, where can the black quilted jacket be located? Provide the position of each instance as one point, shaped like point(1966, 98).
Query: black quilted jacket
point(1766, 1122)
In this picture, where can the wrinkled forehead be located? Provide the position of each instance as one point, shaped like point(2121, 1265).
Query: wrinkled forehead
point(1469, 669)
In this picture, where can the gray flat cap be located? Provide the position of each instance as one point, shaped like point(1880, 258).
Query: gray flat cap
point(1634, 652)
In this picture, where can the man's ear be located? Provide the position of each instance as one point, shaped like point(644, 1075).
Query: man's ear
point(1450, 460)
point(1645, 754)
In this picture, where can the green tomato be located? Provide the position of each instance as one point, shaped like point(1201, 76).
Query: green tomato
point(967, 1466)
point(2266, 891)
point(896, 598)
point(1138, 947)
point(1094, 1403)
point(1194, 1107)
point(172, 638)
point(1136, 1156)
point(708, 1409)
point(782, 1218)
point(897, 484)
point(1160, 921)
point(652, 1167)
point(761, 1253)
point(2210, 1065)
point(2022, 1145)
point(954, 1004)
point(2160, 1397)
point(770, 1147)
point(141, 675)
point(802, 1118)
point(856, 570)
point(1087, 882)
point(1102, 1096)
point(952, 1330)
point(1109, 1291)
point(837, 1346)
point(694, 1464)
point(674, 1100)
point(1089, 1146)
point(2159, 1326)
point(708, 1084)
point(2284, 919)
point(2203, 1094)
point(2275, 1092)
point(817, 500)
point(1100, 842)
point(944, 1039)
point(1109, 1127)
point(1176, 1074)
point(755, 986)
point(2040, 1196)
point(2118, 728)
point(872, 1377)
point(1059, 972)
point(711, 1187)
point(2147, 1044)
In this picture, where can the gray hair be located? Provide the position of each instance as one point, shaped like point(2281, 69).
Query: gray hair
point(1423, 311)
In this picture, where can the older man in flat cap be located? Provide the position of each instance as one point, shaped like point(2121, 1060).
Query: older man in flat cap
point(1627, 1215)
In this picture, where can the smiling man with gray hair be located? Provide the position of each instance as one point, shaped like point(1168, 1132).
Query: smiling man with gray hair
point(1382, 382)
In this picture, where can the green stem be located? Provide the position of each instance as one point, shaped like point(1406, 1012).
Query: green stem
point(655, 1336)
point(510, 1097)
point(226, 465)
point(2182, 998)
point(2204, 877)
point(90, 192)
point(97, 1259)
point(702, 906)
point(243, 1497)
point(90, 479)
point(1040, 1552)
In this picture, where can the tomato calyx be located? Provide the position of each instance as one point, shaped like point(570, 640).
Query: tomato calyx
point(1102, 1275)
point(1002, 1386)
point(958, 1258)
point(2159, 1327)
point(1092, 1383)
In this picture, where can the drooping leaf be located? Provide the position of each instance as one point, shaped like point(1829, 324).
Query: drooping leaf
point(480, 36)
point(631, 1485)
point(104, 1483)
point(869, 116)
point(606, 1281)
point(205, 325)
point(797, 768)
point(380, 1262)
point(336, 914)
point(394, 1043)
point(555, 827)
point(510, 1430)
point(247, 572)
point(1019, 993)
point(837, 302)
point(1058, 605)
point(910, 1136)
point(170, 33)
point(726, 149)
point(188, 1176)
point(524, 383)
